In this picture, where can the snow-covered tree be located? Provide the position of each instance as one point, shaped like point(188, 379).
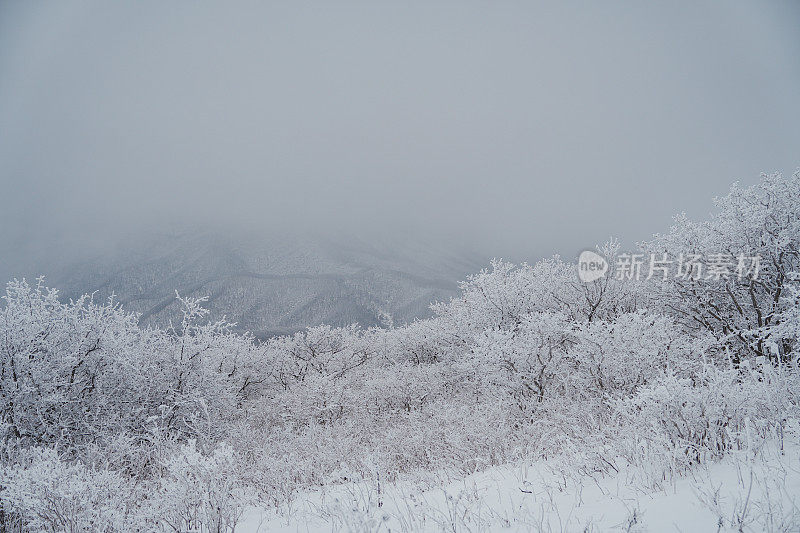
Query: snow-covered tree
point(741, 261)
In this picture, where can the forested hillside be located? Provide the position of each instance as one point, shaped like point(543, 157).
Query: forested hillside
point(265, 284)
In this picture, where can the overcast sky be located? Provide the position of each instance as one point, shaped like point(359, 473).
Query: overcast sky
point(513, 127)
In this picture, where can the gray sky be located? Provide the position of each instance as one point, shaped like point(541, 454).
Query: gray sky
point(515, 128)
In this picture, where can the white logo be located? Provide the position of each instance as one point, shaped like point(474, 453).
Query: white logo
point(591, 266)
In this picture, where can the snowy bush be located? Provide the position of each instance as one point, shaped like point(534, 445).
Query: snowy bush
point(44, 493)
point(622, 354)
point(200, 492)
point(687, 420)
point(762, 220)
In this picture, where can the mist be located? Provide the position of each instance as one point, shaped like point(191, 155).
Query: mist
point(515, 129)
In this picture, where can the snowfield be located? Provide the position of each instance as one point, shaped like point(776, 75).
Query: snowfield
point(751, 490)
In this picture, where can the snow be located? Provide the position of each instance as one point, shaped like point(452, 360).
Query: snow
point(528, 403)
point(755, 489)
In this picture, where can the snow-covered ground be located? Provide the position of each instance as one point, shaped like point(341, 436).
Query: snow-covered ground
point(747, 491)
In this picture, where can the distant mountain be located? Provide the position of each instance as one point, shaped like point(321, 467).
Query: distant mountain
point(268, 286)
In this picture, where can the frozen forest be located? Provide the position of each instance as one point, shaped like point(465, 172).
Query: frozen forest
point(532, 401)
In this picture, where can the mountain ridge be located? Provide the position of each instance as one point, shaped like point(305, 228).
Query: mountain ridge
point(267, 285)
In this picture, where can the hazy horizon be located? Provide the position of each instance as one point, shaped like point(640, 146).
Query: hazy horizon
point(515, 130)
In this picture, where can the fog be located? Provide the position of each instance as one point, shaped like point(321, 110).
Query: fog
point(516, 129)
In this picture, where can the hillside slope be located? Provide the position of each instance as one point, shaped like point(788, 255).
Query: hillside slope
point(270, 285)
